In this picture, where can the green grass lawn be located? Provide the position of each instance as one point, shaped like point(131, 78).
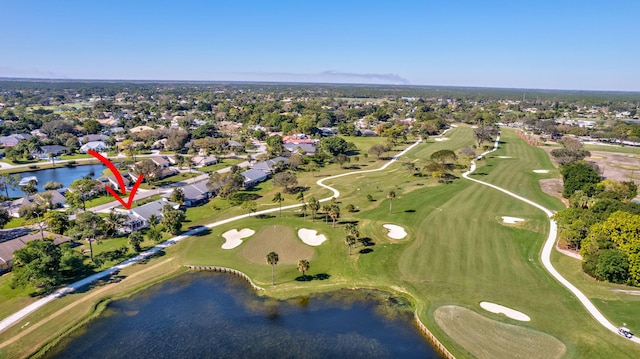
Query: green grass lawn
point(224, 163)
point(458, 252)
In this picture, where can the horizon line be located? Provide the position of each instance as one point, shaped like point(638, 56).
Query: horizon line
point(96, 80)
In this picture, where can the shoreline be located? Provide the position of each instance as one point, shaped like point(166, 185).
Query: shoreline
point(101, 304)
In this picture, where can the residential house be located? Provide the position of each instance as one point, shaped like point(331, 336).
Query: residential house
point(196, 194)
point(45, 151)
point(12, 140)
point(8, 247)
point(13, 207)
point(92, 138)
point(254, 176)
point(271, 166)
point(112, 182)
point(138, 217)
point(161, 161)
point(97, 146)
point(308, 149)
point(201, 161)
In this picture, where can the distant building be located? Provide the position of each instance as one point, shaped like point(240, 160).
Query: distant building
point(8, 247)
point(97, 146)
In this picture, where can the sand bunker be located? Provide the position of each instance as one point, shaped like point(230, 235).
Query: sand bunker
point(395, 232)
point(498, 309)
point(233, 238)
point(504, 157)
point(541, 171)
point(310, 237)
point(511, 220)
point(442, 139)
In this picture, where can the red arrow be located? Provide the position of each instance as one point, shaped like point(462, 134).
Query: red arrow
point(118, 176)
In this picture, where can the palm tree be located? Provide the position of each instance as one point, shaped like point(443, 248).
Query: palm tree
point(334, 213)
point(303, 208)
point(352, 230)
point(325, 209)
point(272, 258)
point(114, 221)
point(350, 241)
point(391, 196)
point(278, 198)
point(52, 157)
point(153, 220)
point(314, 206)
point(303, 266)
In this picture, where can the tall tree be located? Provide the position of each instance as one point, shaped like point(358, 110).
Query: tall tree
point(391, 195)
point(9, 181)
point(278, 198)
point(89, 226)
point(285, 180)
point(38, 263)
point(272, 259)
point(5, 217)
point(135, 240)
point(314, 206)
point(58, 222)
point(334, 213)
point(303, 266)
point(350, 241)
point(172, 219)
point(85, 189)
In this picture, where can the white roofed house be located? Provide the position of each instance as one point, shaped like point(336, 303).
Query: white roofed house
point(45, 151)
point(201, 161)
point(139, 217)
point(97, 146)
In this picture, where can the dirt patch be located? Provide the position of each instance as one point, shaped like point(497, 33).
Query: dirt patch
point(487, 338)
point(617, 166)
point(553, 187)
point(279, 239)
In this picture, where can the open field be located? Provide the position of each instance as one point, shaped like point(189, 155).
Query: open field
point(458, 252)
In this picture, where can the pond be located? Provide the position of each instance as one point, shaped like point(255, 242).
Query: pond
point(62, 174)
point(210, 315)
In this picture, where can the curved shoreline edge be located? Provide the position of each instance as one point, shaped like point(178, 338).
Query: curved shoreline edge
point(549, 244)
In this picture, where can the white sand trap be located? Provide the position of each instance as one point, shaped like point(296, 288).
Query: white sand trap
point(504, 157)
point(511, 220)
point(233, 238)
point(311, 237)
point(513, 314)
point(541, 171)
point(395, 232)
point(474, 126)
point(442, 139)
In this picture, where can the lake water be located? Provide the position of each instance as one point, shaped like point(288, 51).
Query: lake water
point(64, 175)
point(210, 315)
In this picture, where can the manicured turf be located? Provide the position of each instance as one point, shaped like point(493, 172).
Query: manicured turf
point(471, 329)
point(280, 239)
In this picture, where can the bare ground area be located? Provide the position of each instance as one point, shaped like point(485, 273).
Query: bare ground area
point(553, 187)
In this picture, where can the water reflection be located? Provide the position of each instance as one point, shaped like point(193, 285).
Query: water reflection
point(207, 315)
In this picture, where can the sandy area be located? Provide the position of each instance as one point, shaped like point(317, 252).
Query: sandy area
point(233, 238)
point(511, 220)
point(440, 139)
point(395, 232)
point(541, 171)
point(513, 314)
point(504, 157)
point(311, 236)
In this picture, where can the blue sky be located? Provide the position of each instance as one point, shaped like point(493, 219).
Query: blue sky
point(559, 44)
